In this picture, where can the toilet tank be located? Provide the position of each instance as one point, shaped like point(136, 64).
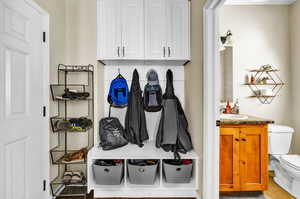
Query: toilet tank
point(280, 139)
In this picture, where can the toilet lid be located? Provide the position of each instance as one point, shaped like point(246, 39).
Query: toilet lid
point(291, 160)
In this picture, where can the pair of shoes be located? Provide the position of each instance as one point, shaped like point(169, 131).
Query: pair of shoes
point(73, 177)
point(73, 94)
point(73, 124)
point(79, 156)
point(80, 123)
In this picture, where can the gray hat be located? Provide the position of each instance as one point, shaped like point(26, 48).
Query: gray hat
point(152, 77)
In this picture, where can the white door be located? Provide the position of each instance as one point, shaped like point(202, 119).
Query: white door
point(155, 29)
point(109, 29)
point(132, 19)
point(22, 95)
point(178, 31)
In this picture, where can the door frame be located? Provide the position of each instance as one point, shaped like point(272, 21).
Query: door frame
point(211, 89)
point(46, 96)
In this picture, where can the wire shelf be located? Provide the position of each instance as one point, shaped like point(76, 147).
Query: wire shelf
point(76, 68)
point(275, 83)
point(75, 83)
point(56, 129)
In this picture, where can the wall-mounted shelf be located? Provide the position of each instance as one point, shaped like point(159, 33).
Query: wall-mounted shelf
point(274, 84)
point(264, 96)
point(267, 84)
point(264, 70)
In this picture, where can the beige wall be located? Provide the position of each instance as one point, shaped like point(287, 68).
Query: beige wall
point(193, 79)
point(261, 36)
point(56, 10)
point(81, 43)
point(295, 63)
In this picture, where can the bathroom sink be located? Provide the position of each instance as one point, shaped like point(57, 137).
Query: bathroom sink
point(233, 117)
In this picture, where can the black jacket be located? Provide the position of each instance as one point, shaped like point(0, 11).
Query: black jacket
point(135, 120)
point(173, 132)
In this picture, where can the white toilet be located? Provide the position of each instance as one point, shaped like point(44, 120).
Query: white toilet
point(286, 167)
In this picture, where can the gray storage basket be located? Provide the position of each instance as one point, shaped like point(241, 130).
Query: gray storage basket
point(144, 175)
point(178, 173)
point(108, 175)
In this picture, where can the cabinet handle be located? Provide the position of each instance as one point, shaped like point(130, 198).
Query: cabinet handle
point(244, 139)
point(236, 139)
point(118, 51)
point(164, 51)
point(169, 51)
point(123, 51)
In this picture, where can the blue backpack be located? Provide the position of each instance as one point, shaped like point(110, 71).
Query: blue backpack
point(118, 92)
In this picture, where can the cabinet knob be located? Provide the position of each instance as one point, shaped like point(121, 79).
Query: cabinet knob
point(244, 140)
point(236, 139)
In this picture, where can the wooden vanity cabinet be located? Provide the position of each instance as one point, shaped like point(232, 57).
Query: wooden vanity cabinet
point(243, 158)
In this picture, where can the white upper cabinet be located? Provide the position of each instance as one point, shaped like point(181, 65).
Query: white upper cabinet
point(120, 29)
point(178, 35)
point(143, 30)
point(155, 29)
point(167, 29)
point(132, 29)
point(109, 29)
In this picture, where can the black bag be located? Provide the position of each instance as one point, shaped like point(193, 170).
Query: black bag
point(152, 93)
point(111, 133)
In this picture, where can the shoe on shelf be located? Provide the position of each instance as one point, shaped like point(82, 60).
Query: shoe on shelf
point(78, 177)
point(79, 156)
point(73, 177)
point(74, 94)
point(73, 124)
point(66, 178)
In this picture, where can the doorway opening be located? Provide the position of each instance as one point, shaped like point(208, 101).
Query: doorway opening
point(212, 89)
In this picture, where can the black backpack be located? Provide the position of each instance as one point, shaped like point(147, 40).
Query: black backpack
point(111, 133)
point(152, 93)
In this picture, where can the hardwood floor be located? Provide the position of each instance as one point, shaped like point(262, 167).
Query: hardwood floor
point(275, 191)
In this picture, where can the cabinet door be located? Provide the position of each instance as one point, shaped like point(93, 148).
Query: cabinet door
point(178, 34)
point(229, 159)
point(109, 29)
point(155, 29)
point(254, 158)
point(132, 29)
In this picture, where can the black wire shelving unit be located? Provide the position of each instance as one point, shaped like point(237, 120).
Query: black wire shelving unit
point(67, 75)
